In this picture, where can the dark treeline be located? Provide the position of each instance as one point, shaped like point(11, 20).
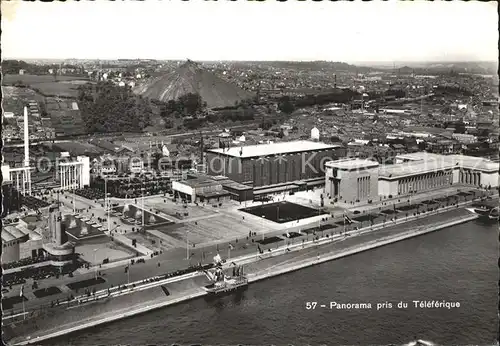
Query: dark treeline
point(193, 110)
point(459, 126)
point(345, 96)
point(236, 115)
point(13, 67)
point(107, 108)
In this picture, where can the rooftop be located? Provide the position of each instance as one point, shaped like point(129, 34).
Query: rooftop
point(199, 182)
point(10, 233)
point(413, 167)
point(107, 145)
point(351, 164)
point(470, 162)
point(273, 149)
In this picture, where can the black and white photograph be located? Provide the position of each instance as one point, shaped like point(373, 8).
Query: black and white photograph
point(238, 172)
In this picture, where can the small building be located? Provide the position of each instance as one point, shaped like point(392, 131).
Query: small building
point(203, 190)
point(110, 147)
point(12, 238)
point(239, 192)
point(136, 165)
point(351, 180)
point(464, 138)
point(315, 134)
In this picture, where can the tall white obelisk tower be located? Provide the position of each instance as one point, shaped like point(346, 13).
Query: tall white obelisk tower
point(27, 171)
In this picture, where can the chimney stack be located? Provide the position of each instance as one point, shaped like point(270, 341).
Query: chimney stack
point(26, 139)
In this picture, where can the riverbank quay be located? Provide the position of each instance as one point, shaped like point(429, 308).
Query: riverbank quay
point(113, 274)
point(271, 264)
point(174, 260)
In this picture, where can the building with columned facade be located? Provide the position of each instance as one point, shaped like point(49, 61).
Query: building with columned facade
point(74, 173)
point(426, 171)
point(20, 177)
point(355, 180)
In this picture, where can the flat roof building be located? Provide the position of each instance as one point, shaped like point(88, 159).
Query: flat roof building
point(12, 238)
point(351, 180)
point(355, 180)
point(271, 164)
point(259, 150)
point(203, 190)
point(426, 171)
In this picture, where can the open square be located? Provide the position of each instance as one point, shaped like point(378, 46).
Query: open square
point(227, 225)
point(282, 212)
point(96, 251)
point(178, 210)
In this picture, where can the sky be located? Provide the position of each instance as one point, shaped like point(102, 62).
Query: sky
point(248, 30)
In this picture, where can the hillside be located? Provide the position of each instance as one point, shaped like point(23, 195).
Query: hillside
point(193, 78)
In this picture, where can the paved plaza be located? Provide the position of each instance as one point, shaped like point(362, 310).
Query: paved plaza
point(95, 252)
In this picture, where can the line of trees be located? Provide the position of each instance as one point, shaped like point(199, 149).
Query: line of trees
point(343, 96)
point(453, 90)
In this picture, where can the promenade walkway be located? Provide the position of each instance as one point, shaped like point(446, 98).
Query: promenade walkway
point(176, 259)
point(182, 257)
point(261, 270)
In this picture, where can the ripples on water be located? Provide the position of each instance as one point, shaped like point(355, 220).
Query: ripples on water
point(456, 264)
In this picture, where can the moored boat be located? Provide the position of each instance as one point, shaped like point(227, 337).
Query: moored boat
point(222, 283)
point(486, 211)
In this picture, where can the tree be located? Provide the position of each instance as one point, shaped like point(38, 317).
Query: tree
point(169, 123)
point(266, 124)
point(191, 103)
point(285, 105)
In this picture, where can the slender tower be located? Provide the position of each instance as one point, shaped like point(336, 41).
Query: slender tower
point(27, 172)
point(26, 139)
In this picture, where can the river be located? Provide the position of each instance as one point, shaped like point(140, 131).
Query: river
point(457, 264)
